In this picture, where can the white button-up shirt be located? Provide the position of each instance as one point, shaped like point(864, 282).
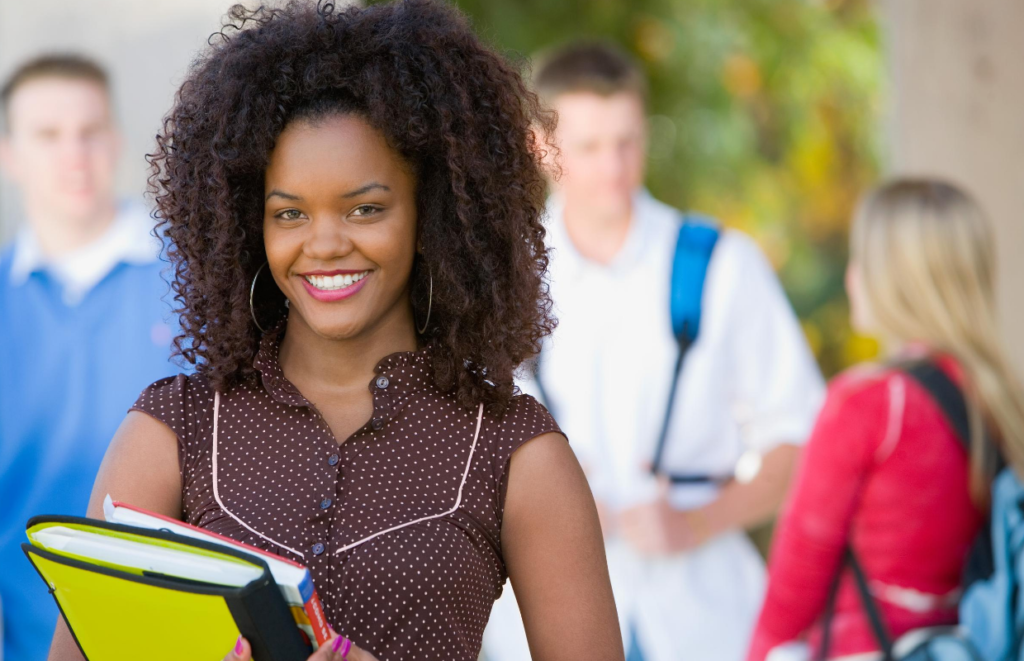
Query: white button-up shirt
point(748, 384)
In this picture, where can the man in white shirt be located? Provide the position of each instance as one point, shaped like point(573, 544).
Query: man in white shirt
point(687, 580)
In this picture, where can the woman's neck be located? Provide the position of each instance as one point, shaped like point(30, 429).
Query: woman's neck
point(311, 360)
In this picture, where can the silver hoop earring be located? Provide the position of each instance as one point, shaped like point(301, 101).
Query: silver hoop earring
point(252, 291)
point(430, 303)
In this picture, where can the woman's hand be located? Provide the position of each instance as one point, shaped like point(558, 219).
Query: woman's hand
point(338, 648)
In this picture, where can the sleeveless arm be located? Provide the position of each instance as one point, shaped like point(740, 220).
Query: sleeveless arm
point(525, 420)
point(174, 401)
point(554, 553)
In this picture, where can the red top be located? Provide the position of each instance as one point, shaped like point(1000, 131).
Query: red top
point(883, 472)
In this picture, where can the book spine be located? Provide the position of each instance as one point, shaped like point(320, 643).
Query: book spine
point(315, 612)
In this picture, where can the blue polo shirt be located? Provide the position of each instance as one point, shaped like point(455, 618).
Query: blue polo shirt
point(69, 369)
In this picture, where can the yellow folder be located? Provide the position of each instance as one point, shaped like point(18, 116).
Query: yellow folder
point(122, 613)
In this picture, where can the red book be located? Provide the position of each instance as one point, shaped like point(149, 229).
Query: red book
point(293, 579)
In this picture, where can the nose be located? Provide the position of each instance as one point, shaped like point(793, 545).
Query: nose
point(328, 239)
point(76, 151)
point(614, 164)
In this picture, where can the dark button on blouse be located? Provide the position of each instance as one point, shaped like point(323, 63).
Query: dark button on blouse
point(386, 544)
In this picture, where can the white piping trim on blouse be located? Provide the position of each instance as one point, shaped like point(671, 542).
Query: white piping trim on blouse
point(894, 423)
point(216, 493)
point(458, 500)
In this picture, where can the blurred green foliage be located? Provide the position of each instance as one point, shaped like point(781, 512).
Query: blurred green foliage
point(764, 113)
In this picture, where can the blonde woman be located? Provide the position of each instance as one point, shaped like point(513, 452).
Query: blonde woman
point(885, 475)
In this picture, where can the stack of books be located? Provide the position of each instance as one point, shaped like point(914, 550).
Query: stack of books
point(144, 585)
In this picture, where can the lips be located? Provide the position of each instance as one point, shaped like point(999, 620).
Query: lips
point(326, 287)
point(328, 282)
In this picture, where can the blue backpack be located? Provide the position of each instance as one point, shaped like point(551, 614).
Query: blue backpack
point(695, 243)
point(992, 608)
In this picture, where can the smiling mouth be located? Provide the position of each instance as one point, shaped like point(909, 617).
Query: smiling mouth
point(334, 282)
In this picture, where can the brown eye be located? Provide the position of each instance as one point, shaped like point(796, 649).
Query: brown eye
point(365, 210)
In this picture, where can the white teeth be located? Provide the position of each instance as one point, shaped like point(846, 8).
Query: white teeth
point(334, 282)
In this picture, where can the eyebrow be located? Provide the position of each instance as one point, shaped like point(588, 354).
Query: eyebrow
point(287, 196)
point(366, 189)
point(357, 192)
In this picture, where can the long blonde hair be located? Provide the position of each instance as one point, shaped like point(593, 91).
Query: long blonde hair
point(926, 258)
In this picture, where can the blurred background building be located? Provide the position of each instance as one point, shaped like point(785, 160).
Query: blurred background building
point(771, 114)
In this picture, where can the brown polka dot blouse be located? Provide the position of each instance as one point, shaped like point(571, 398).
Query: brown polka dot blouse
point(400, 525)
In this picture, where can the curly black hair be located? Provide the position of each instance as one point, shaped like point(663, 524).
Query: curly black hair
point(459, 113)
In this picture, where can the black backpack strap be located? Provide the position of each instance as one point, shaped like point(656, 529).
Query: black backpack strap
point(659, 451)
point(878, 627)
point(830, 611)
point(870, 606)
point(980, 563)
point(946, 394)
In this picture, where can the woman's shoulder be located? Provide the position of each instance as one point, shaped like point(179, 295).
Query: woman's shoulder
point(864, 402)
point(523, 419)
point(177, 401)
point(862, 393)
point(862, 381)
point(177, 389)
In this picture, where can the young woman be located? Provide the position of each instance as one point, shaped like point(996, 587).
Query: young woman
point(352, 199)
point(884, 473)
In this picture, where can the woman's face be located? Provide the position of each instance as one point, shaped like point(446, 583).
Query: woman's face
point(339, 226)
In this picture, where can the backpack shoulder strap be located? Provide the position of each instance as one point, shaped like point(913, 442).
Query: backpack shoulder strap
point(694, 245)
point(946, 394)
point(874, 615)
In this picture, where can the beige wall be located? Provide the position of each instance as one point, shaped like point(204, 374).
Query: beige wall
point(957, 110)
point(147, 46)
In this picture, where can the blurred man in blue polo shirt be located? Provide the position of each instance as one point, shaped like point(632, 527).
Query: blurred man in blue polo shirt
point(84, 320)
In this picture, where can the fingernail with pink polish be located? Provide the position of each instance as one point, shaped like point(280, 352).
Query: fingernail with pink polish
point(337, 644)
point(238, 646)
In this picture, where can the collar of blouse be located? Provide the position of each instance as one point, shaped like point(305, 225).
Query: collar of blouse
point(397, 376)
